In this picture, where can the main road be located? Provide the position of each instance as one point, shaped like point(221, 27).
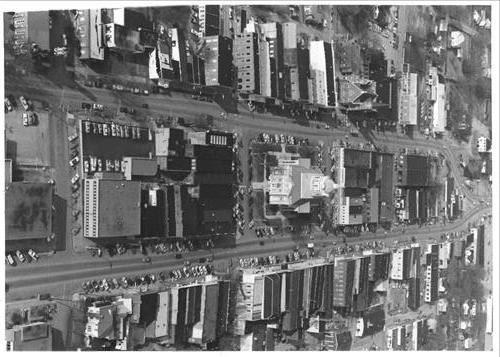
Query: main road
point(67, 271)
point(55, 278)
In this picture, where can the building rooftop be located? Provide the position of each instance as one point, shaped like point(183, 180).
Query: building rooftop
point(119, 208)
point(140, 166)
point(28, 210)
point(356, 92)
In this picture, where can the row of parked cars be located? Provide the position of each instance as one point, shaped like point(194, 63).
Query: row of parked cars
point(113, 129)
point(22, 255)
point(258, 261)
point(281, 139)
point(117, 87)
point(30, 118)
point(93, 286)
point(95, 164)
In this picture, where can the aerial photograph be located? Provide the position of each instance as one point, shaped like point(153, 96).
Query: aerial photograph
point(260, 177)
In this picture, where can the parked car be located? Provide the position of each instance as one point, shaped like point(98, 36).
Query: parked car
point(74, 161)
point(145, 105)
point(86, 166)
point(72, 137)
point(138, 132)
point(86, 125)
point(100, 128)
point(123, 110)
point(8, 105)
point(99, 165)
point(86, 105)
point(33, 254)
point(25, 119)
point(98, 107)
point(75, 179)
point(117, 165)
point(113, 129)
point(21, 256)
point(105, 129)
point(10, 259)
point(24, 102)
point(109, 165)
point(93, 164)
point(95, 129)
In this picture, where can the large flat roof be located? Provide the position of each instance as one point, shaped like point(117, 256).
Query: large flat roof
point(28, 210)
point(119, 208)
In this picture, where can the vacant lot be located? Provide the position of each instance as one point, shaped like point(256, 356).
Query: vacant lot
point(27, 145)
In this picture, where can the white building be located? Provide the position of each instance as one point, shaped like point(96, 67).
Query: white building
point(439, 114)
point(321, 62)
point(397, 265)
point(407, 100)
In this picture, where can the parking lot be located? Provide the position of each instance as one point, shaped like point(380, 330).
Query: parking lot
point(115, 147)
point(27, 145)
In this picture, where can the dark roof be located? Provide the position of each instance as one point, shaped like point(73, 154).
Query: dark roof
point(356, 177)
point(415, 171)
point(357, 158)
point(374, 320)
point(28, 210)
point(344, 341)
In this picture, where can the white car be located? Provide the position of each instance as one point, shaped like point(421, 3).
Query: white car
point(105, 129)
point(138, 130)
point(122, 131)
point(60, 51)
point(24, 102)
point(33, 254)
point(74, 161)
point(127, 131)
point(10, 259)
point(99, 107)
point(117, 165)
point(75, 179)
point(25, 119)
point(113, 129)
point(86, 124)
point(93, 164)
point(134, 133)
point(72, 137)
point(123, 166)
point(99, 165)
point(8, 105)
point(109, 165)
point(86, 166)
point(99, 128)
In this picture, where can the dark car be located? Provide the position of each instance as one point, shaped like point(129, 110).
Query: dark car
point(178, 256)
point(86, 105)
point(145, 105)
point(123, 110)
